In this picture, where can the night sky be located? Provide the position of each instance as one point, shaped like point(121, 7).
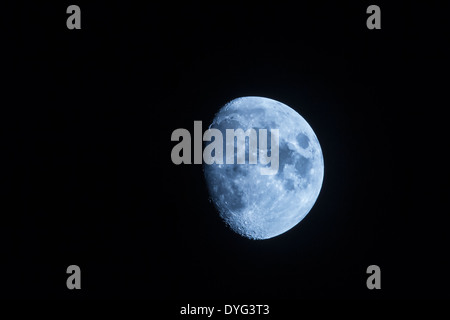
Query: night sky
point(86, 176)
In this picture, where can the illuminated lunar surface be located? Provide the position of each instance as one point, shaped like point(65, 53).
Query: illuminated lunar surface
point(264, 206)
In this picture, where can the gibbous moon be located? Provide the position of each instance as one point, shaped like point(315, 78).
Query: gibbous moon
point(264, 206)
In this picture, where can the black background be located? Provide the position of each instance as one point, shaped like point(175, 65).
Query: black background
point(86, 176)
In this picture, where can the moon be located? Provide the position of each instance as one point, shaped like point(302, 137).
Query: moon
point(264, 206)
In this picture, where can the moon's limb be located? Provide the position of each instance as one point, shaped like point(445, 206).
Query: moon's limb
point(264, 206)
